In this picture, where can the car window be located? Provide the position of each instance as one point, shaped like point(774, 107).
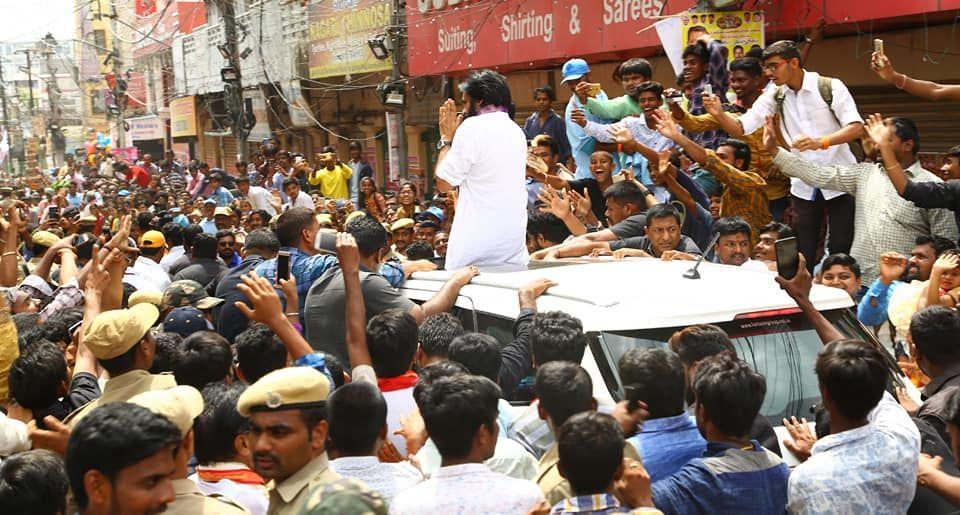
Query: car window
point(782, 348)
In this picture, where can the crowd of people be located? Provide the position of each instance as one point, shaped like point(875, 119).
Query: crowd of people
point(198, 340)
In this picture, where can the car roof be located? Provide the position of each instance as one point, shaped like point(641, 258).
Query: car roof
point(631, 294)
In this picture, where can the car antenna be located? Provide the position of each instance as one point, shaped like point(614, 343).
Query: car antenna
point(693, 273)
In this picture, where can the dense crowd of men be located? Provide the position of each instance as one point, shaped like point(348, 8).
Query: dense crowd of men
point(198, 340)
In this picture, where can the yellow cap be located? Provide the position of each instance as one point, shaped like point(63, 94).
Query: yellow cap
point(403, 223)
point(45, 238)
point(145, 297)
point(287, 388)
point(180, 405)
point(114, 332)
point(152, 240)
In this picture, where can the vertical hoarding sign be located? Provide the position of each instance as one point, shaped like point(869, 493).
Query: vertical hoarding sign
point(338, 34)
point(183, 117)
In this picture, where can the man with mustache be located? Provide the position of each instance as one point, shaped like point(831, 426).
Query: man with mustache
point(733, 245)
point(288, 431)
point(896, 270)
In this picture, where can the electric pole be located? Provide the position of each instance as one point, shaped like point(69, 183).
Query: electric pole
point(397, 33)
point(120, 84)
point(6, 120)
point(29, 71)
point(57, 142)
point(240, 119)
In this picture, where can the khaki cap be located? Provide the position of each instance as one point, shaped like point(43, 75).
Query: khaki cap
point(223, 211)
point(145, 296)
point(287, 388)
point(180, 405)
point(403, 223)
point(114, 332)
point(45, 238)
point(353, 216)
point(324, 218)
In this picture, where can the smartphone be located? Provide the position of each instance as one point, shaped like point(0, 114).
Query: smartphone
point(53, 212)
point(708, 89)
point(326, 242)
point(283, 265)
point(619, 177)
point(788, 258)
point(878, 46)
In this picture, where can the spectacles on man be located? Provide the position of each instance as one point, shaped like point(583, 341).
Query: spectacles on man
point(772, 67)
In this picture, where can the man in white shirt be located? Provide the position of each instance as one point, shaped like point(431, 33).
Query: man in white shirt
point(260, 198)
point(485, 156)
point(815, 128)
point(146, 272)
point(357, 415)
point(297, 197)
point(460, 415)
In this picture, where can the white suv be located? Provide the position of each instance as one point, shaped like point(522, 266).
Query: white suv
point(641, 302)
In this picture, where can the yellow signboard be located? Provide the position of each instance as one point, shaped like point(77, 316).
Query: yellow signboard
point(183, 117)
point(739, 31)
point(339, 32)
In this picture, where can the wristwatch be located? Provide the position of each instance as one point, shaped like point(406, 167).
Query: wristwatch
point(443, 143)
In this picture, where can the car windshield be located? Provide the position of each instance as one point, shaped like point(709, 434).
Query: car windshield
point(782, 347)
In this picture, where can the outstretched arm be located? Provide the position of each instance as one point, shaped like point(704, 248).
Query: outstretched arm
point(883, 67)
point(798, 288)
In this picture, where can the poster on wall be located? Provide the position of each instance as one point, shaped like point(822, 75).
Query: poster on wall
point(739, 31)
point(339, 32)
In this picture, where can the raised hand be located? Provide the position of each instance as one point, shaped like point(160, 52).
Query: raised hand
point(892, 266)
point(556, 202)
point(712, 104)
point(582, 205)
point(945, 263)
point(799, 287)
point(882, 66)
point(348, 253)
point(877, 130)
point(668, 127)
point(266, 303)
point(801, 438)
point(449, 119)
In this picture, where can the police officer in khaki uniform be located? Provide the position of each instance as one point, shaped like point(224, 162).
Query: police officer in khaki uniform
point(180, 405)
point(288, 429)
point(121, 341)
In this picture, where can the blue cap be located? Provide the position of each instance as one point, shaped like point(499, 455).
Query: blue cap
point(574, 69)
point(185, 321)
point(433, 211)
point(123, 193)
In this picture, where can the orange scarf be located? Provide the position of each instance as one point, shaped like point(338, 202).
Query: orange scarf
point(241, 476)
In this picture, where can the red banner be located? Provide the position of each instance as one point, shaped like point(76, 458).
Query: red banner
point(454, 35)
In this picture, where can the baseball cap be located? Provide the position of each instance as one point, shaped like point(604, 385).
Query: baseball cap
point(123, 193)
point(210, 201)
point(433, 211)
point(180, 405)
point(145, 296)
point(114, 332)
point(574, 69)
point(188, 293)
point(152, 240)
point(223, 211)
point(185, 321)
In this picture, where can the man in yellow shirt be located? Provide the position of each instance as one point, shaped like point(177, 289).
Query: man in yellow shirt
point(333, 179)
